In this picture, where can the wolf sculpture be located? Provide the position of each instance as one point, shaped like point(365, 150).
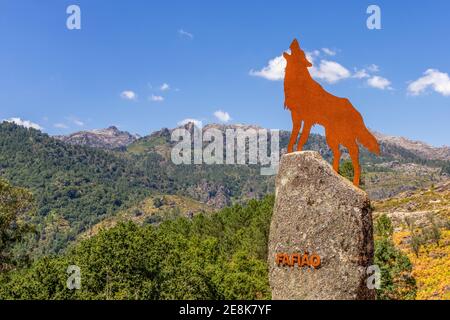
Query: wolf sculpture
point(311, 104)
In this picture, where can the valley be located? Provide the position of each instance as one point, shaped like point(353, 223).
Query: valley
point(95, 179)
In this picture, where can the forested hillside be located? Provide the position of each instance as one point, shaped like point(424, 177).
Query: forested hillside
point(74, 186)
point(218, 256)
point(222, 256)
point(77, 186)
point(210, 255)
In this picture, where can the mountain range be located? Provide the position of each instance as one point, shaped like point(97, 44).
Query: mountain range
point(404, 164)
point(113, 138)
point(420, 148)
point(109, 138)
point(88, 177)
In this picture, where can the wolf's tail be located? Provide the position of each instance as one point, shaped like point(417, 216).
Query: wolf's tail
point(366, 138)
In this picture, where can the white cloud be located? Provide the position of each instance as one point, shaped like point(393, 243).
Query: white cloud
point(75, 121)
point(156, 98)
point(311, 55)
point(323, 69)
point(164, 87)
point(24, 123)
point(434, 79)
point(222, 116)
point(330, 71)
point(60, 126)
point(379, 83)
point(198, 123)
point(274, 70)
point(329, 52)
point(78, 122)
point(373, 68)
point(128, 95)
point(185, 34)
point(366, 72)
point(361, 74)
point(372, 80)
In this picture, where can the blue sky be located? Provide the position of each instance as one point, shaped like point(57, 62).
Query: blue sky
point(210, 53)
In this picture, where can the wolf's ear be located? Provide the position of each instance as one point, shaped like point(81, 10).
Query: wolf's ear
point(294, 45)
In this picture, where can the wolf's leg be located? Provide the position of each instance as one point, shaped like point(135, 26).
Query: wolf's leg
point(336, 157)
point(334, 146)
point(304, 135)
point(353, 150)
point(296, 123)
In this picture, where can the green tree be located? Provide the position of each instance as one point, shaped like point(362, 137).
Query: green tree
point(383, 226)
point(417, 237)
point(243, 277)
point(346, 170)
point(446, 168)
point(16, 208)
point(397, 282)
point(433, 232)
point(219, 256)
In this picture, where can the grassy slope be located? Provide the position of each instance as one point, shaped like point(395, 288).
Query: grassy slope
point(148, 211)
point(431, 267)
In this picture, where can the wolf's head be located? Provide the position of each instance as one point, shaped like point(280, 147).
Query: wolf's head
point(297, 55)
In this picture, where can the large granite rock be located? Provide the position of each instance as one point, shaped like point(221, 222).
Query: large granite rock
point(322, 213)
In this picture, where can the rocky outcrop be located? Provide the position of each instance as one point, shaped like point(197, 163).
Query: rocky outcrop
point(419, 148)
point(319, 213)
point(109, 138)
point(214, 195)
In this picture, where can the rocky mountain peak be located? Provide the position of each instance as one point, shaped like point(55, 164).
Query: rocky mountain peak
point(420, 148)
point(109, 138)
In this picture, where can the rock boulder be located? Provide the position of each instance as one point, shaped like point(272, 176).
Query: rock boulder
point(321, 213)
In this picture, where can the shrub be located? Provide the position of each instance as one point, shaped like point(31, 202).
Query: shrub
point(383, 226)
point(397, 281)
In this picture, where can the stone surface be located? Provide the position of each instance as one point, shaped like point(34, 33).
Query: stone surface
point(320, 212)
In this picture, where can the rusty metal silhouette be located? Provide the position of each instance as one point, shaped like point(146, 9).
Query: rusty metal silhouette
point(311, 104)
